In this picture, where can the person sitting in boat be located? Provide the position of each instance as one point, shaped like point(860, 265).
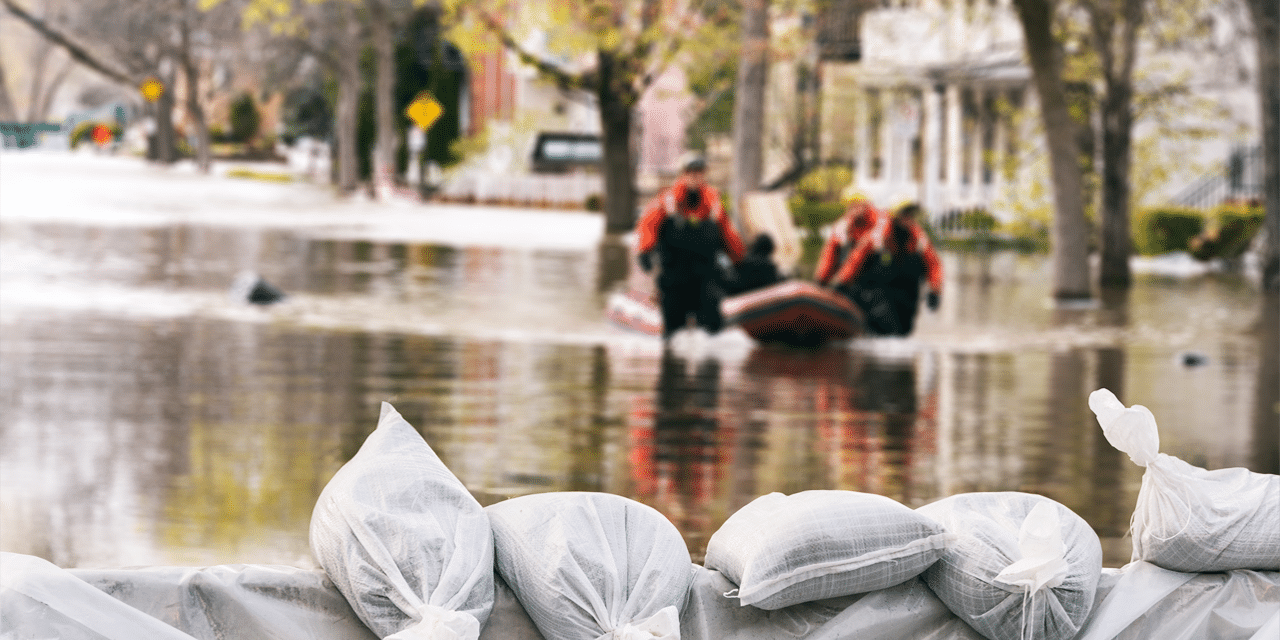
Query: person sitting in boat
point(909, 259)
point(757, 270)
point(687, 229)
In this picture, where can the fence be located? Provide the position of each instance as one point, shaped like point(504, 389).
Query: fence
point(1240, 178)
point(547, 190)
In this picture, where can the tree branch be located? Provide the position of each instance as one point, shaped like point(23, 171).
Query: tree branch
point(80, 54)
point(562, 78)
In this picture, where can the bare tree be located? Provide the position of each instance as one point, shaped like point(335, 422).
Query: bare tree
point(331, 34)
point(631, 43)
point(132, 41)
point(1070, 249)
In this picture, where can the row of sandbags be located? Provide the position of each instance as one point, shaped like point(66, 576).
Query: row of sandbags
point(414, 554)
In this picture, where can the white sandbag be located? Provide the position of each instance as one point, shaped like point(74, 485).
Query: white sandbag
point(404, 541)
point(1187, 518)
point(1022, 566)
point(783, 550)
point(590, 566)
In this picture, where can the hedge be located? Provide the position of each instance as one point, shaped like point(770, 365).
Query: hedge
point(1165, 229)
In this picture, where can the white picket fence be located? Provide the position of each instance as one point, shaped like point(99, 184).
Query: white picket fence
point(558, 190)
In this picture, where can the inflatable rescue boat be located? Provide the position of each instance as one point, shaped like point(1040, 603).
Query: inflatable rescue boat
point(793, 312)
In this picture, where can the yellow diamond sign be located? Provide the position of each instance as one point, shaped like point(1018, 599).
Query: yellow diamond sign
point(151, 89)
point(424, 110)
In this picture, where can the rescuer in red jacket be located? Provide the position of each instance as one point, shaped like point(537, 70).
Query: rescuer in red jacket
point(686, 228)
point(909, 258)
point(877, 262)
point(844, 253)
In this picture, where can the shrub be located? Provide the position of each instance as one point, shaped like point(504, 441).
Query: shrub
point(1229, 233)
point(83, 132)
point(824, 184)
point(814, 215)
point(977, 220)
point(1162, 230)
point(244, 118)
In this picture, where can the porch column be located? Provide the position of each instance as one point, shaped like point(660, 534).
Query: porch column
point(952, 146)
point(862, 137)
point(931, 147)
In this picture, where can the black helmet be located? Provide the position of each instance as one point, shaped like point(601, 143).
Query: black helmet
point(694, 162)
point(762, 245)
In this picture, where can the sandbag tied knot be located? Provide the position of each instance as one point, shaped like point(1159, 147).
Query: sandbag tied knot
point(438, 623)
point(1043, 564)
point(1131, 430)
point(663, 625)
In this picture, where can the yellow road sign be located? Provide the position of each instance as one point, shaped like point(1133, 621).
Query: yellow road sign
point(151, 89)
point(424, 110)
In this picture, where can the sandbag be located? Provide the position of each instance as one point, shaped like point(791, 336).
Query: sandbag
point(783, 550)
point(1021, 566)
point(1187, 518)
point(590, 566)
point(403, 541)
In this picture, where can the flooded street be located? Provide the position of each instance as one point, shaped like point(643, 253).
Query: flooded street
point(148, 417)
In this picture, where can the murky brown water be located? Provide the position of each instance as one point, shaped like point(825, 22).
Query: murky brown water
point(147, 418)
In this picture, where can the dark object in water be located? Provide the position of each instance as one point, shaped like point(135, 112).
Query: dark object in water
point(1192, 359)
point(251, 287)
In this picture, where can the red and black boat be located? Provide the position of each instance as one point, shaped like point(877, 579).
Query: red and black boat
point(793, 312)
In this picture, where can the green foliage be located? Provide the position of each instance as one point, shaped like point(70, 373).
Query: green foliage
point(824, 184)
point(267, 176)
point(1230, 230)
point(1027, 234)
point(814, 215)
point(244, 118)
point(716, 115)
point(83, 132)
point(977, 220)
point(1160, 230)
point(594, 202)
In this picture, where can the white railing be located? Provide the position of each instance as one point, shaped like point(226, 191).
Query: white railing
point(557, 190)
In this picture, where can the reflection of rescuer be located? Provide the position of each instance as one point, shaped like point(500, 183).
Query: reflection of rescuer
point(685, 226)
point(877, 262)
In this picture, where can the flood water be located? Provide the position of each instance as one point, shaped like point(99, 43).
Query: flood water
point(147, 417)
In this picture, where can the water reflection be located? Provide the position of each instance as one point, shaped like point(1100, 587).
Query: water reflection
point(203, 433)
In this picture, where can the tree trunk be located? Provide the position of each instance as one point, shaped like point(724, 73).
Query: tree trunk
point(7, 112)
point(748, 105)
point(1266, 22)
point(39, 60)
point(51, 90)
point(164, 149)
point(385, 147)
point(344, 125)
point(1115, 36)
point(1070, 250)
point(191, 72)
point(616, 98)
